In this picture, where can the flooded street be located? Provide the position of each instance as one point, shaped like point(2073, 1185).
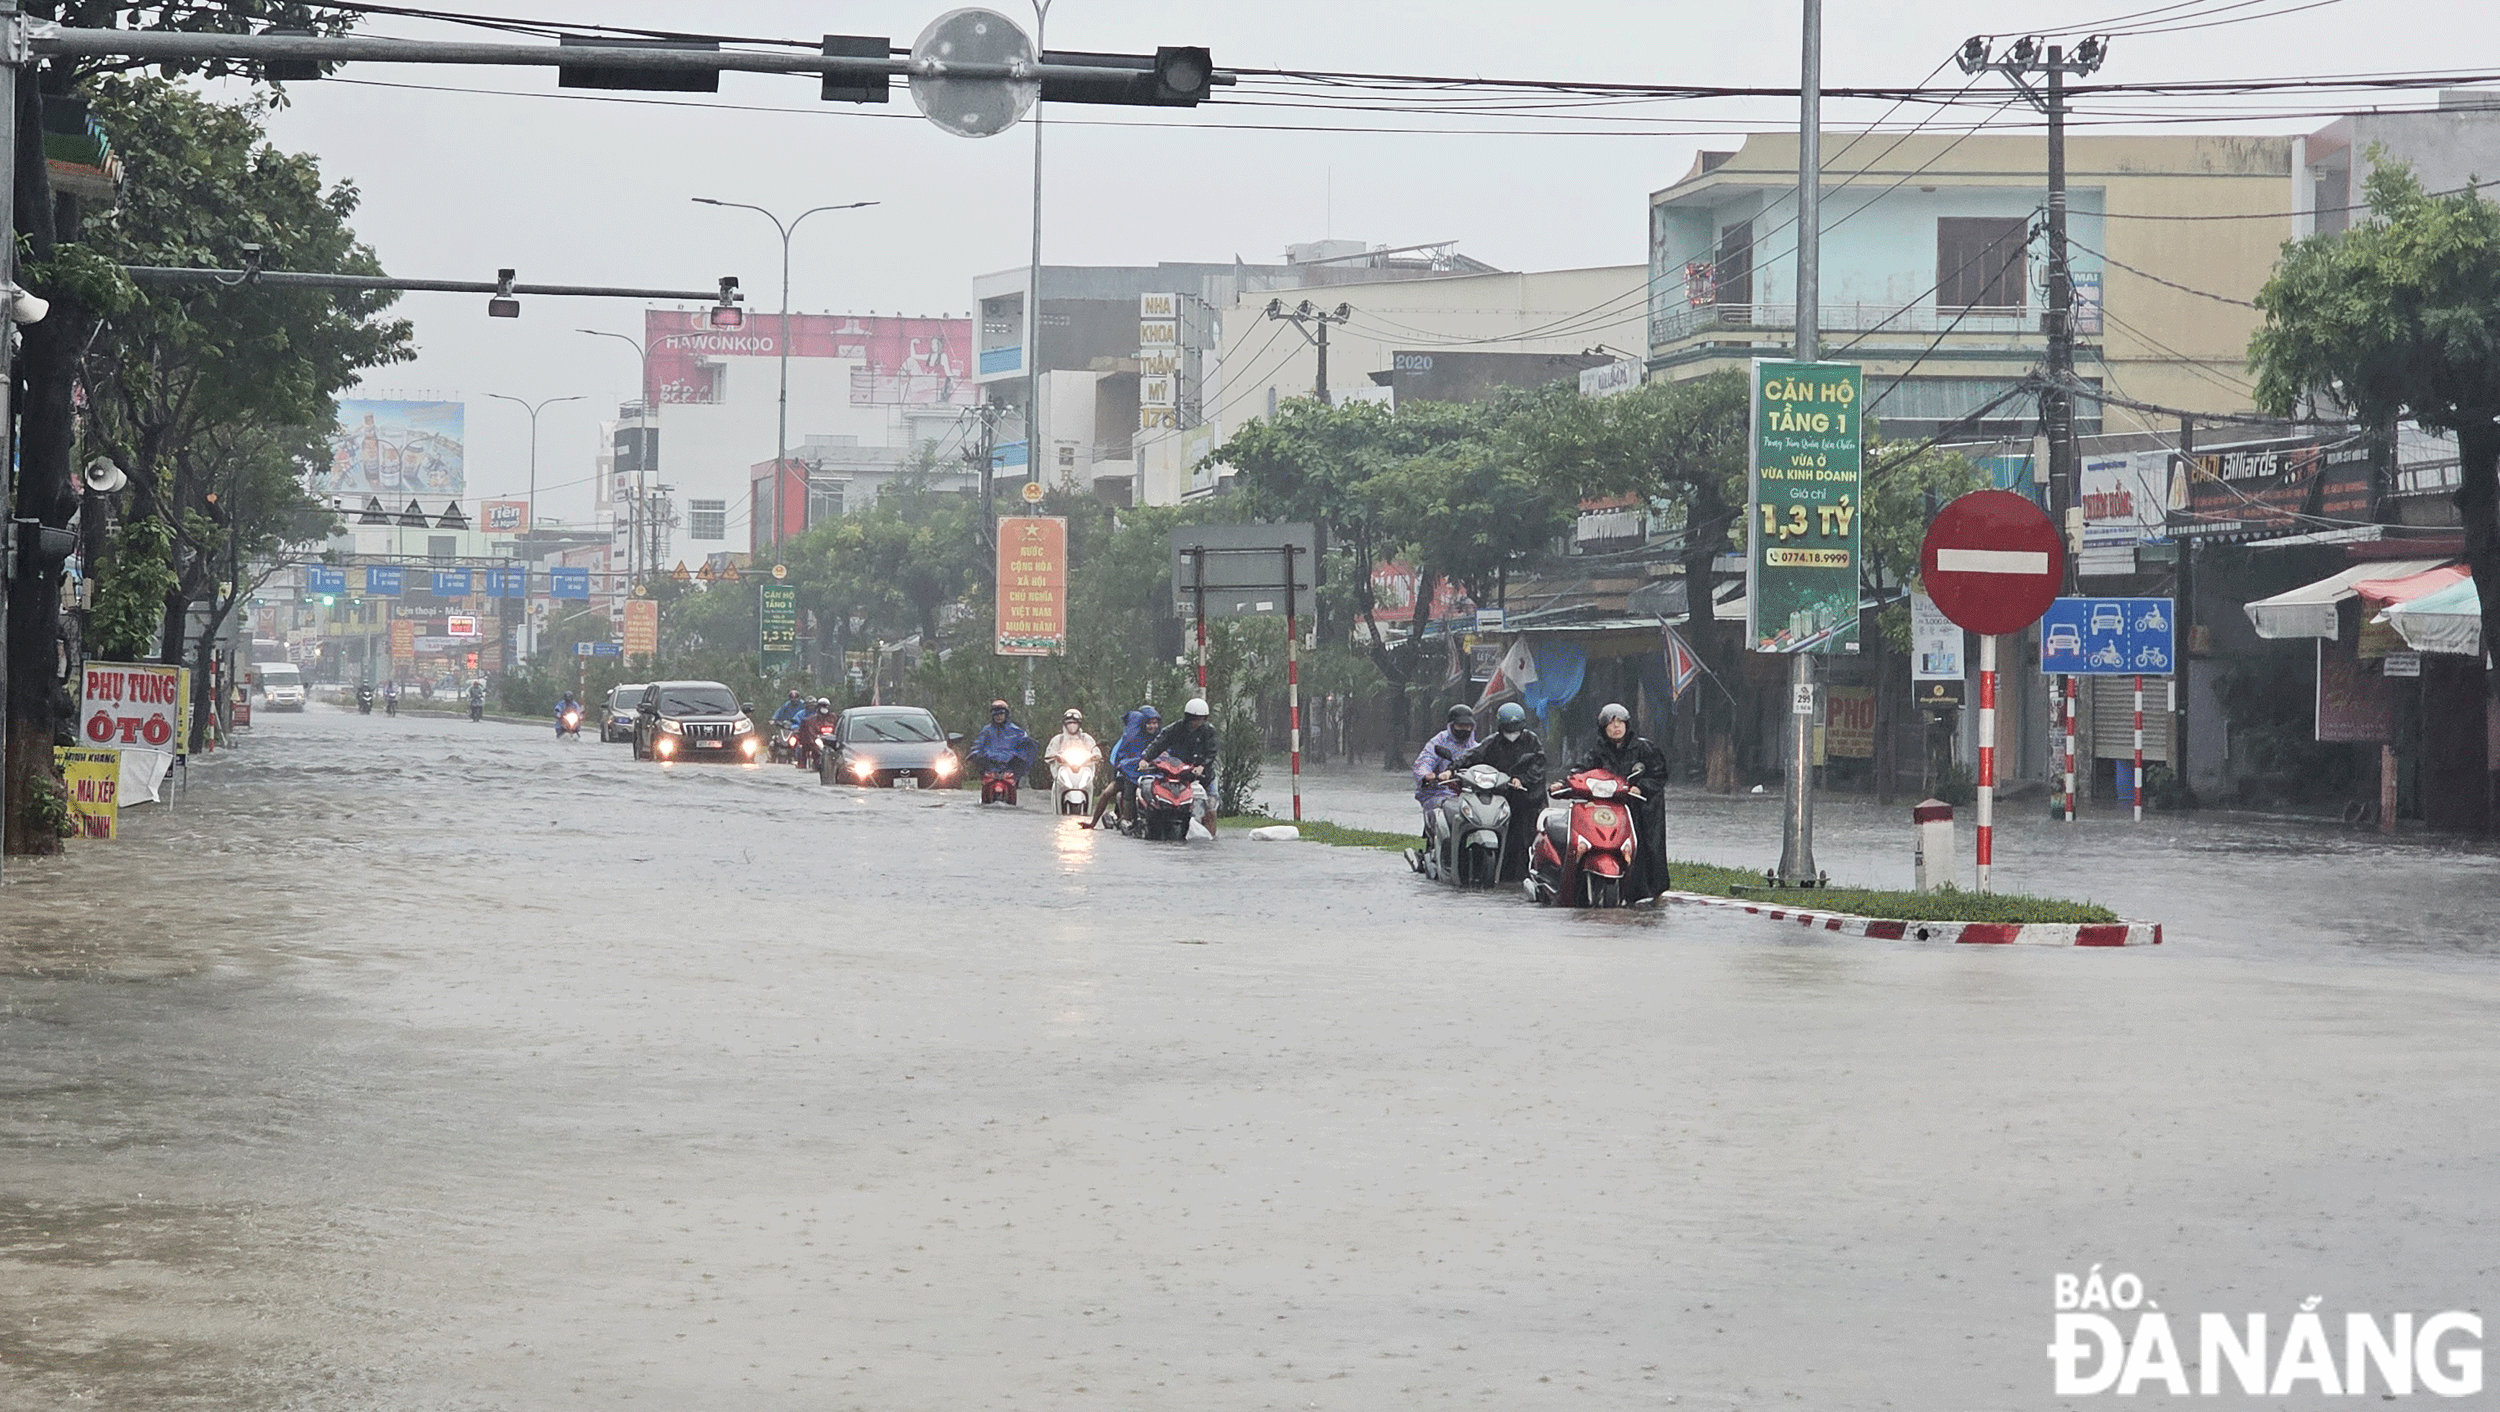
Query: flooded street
point(410, 1063)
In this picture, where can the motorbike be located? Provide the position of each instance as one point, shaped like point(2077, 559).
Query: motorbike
point(1167, 801)
point(1072, 780)
point(569, 725)
point(998, 781)
point(390, 704)
point(477, 708)
point(1463, 837)
point(784, 747)
point(808, 740)
point(364, 700)
point(1582, 856)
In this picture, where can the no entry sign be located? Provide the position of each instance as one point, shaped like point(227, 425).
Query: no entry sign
point(1992, 562)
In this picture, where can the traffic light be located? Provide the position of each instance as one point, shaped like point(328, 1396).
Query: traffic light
point(329, 600)
point(1178, 76)
point(42, 551)
point(472, 661)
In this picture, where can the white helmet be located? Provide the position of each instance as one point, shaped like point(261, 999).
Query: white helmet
point(1072, 714)
point(1195, 706)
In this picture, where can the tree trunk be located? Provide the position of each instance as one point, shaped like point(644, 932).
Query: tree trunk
point(2478, 505)
point(1702, 541)
point(47, 431)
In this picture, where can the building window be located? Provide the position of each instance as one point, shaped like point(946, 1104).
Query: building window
point(1979, 262)
point(442, 548)
point(707, 519)
point(824, 501)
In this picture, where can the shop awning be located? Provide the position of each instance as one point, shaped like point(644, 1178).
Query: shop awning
point(2389, 590)
point(2449, 620)
point(2309, 610)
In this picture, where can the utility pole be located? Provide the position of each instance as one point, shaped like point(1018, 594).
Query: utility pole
point(2057, 324)
point(532, 532)
point(2026, 58)
point(12, 53)
point(1797, 813)
point(1033, 307)
point(1304, 317)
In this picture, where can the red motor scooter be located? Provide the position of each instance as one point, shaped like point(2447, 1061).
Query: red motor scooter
point(998, 782)
point(1167, 799)
point(1582, 856)
point(808, 743)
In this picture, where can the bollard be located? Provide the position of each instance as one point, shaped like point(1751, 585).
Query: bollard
point(1934, 820)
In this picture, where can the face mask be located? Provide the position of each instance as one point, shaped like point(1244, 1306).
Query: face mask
point(1461, 732)
point(1510, 733)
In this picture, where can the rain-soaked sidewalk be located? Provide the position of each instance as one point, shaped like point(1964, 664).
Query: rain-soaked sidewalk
point(411, 1064)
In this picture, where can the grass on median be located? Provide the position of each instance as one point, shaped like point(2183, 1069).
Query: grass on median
point(1948, 906)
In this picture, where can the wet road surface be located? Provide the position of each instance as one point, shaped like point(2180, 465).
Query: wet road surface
point(411, 1063)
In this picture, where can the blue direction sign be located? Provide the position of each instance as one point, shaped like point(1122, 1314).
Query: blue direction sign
point(568, 583)
point(507, 583)
point(598, 649)
point(323, 580)
point(2109, 637)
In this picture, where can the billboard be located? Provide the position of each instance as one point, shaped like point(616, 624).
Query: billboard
point(504, 516)
point(642, 628)
point(1801, 574)
point(1032, 586)
point(133, 704)
point(390, 449)
point(903, 361)
point(2125, 498)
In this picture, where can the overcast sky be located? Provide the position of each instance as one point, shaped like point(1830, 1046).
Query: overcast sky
point(598, 192)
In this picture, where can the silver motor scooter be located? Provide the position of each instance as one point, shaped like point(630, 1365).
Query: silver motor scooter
point(1463, 837)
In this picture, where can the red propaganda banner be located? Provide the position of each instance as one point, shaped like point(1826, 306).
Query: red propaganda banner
point(642, 628)
point(1032, 586)
point(908, 361)
point(404, 640)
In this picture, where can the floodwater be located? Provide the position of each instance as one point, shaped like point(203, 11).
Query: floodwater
point(411, 1063)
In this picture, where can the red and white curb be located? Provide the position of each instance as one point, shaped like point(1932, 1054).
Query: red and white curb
point(1972, 933)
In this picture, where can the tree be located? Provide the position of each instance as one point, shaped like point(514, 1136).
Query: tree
point(1681, 444)
point(2400, 317)
point(81, 289)
point(1318, 463)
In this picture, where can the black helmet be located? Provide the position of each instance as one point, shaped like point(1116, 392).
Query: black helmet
point(1462, 712)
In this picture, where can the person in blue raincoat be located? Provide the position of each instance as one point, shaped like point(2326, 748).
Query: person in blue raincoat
point(1440, 756)
point(1137, 730)
point(1002, 743)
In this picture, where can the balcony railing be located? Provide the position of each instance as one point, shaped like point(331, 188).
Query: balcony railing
point(1676, 325)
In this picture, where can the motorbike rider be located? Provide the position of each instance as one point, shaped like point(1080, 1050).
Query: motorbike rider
point(792, 711)
point(364, 697)
point(1643, 766)
point(477, 699)
point(1192, 742)
point(1002, 744)
point(1137, 731)
point(1072, 742)
point(811, 715)
point(1434, 763)
point(1514, 750)
point(565, 703)
point(390, 698)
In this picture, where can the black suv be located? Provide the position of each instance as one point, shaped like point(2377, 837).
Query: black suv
point(695, 720)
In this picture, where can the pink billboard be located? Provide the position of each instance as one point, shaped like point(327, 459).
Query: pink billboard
point(902, 361)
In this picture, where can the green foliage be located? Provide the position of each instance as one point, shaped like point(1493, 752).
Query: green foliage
point(200, 17)
point(131, 585)
point(1903, 491)
point(47, 806)
point(2397, 316)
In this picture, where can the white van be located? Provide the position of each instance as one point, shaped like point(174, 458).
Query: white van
point(281, 686)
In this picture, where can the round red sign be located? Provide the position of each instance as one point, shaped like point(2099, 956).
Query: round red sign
point(1992, 562)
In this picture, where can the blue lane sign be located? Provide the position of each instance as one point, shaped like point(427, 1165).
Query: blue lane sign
point(568, 583)
point(2109, 637)
point(598, 649)
point(321, 580)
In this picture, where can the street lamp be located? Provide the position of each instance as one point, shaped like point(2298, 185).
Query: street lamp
point(643, 454)
point(524, 404)
point(781, 441)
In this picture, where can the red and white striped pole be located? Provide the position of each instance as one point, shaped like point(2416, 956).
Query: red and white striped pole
point(2139, 748)
point(1293, 685)
point(2070, 748)
point(1987, 755)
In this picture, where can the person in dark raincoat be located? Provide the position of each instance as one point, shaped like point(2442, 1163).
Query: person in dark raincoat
point(1137, 730)
point(1643, 766)
point(1514, 750)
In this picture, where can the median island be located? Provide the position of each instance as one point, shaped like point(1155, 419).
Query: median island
point(1712, 880)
